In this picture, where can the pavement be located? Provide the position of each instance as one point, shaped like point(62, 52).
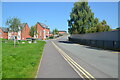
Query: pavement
point(98, 62)
point(53, 65)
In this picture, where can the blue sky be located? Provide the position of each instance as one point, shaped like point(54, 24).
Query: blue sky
point(56, 14)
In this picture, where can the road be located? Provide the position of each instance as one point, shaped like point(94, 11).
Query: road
point(97, 62)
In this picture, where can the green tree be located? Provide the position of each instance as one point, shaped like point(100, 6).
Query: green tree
point(102, 26)
point(93, 28)
point(81, 18)
point(55, 31)
point(96, 22)
point(70, 30)
point(33, 30)
point(118, 28)
point(103, 22)
point(99, 26)
point(14, 25)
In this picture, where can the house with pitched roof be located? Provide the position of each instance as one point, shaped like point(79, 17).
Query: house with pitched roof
point(22, 34)
point(42, 32)
point(4, 32)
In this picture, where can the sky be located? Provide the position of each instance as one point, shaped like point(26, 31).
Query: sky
point(56, 14)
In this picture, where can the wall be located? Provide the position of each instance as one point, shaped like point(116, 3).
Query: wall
point(5, 35)
point(109, 35)
point(42, 32)
point(25, 33)
point(11, 34)
point(61, 32)
point(1, 32)
point(108, 40)
point(47, 32)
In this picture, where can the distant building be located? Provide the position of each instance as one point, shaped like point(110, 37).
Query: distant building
point(50, 34)
point(4, 33)
point(62, 32)
point(22, 34)
point(1, 32)
point(42, 31)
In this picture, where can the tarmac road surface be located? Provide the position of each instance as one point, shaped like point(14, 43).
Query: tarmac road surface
point(97, 62)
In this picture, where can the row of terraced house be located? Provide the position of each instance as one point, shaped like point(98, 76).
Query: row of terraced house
point(42, 32)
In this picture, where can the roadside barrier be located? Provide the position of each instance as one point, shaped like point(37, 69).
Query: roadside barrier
point(105, 44)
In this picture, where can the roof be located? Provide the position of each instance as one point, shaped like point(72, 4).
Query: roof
point(4, 29)
point(43, 25)
point(22, 26)
point(7, 29)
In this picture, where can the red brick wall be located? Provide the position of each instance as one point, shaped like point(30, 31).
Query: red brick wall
point(40, 32)
point(3, 34)
point(61, 32)
point(47, 32)
point(25, 32)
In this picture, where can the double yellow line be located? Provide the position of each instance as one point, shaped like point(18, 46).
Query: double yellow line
point(81, 71)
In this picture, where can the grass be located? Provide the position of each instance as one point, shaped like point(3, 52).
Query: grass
point(0, 58)
point(21, 61)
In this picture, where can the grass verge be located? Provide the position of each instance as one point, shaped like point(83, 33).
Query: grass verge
point(21, 61)
point(0, 58)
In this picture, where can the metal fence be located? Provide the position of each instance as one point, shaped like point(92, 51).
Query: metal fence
point(113, 42)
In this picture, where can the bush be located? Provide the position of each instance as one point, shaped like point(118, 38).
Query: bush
point(3, 40)
point(51, 37)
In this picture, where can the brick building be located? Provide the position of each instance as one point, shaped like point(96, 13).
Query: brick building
point(22, 34)
point(42, 31)
point(4, 33)
point(62, 32)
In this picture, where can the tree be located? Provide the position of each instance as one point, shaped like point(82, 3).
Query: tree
point(99, 26)
point(33, 30)
point(81, 18)
point(102, 26)
point(103, 22)
point(96, 22)
point(14, 25)
point(91, 30)
point(55, 31)
point(118, 28)
point(70, 30)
